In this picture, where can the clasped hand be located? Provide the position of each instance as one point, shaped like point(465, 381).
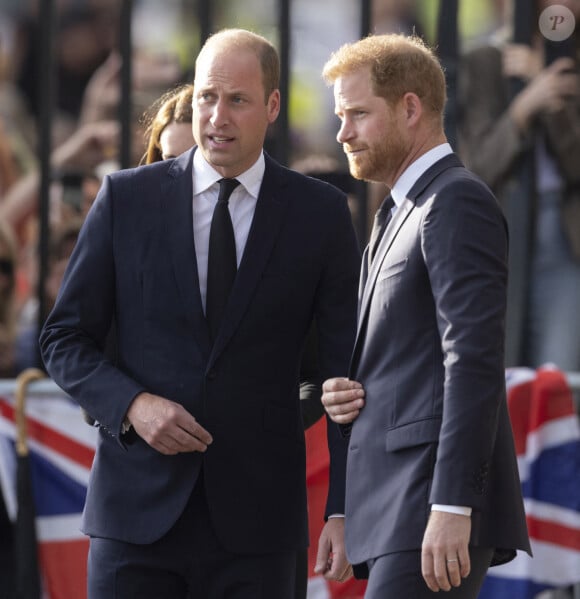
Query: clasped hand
point(343, 399)
point(166, 425)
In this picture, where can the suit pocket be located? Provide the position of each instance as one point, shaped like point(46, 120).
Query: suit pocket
point(413, 434)
point(390, 270)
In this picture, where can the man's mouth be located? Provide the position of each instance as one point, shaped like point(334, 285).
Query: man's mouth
point(219, 139)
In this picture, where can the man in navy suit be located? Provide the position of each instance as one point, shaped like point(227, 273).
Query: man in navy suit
point(198, 486)
point(432, 492)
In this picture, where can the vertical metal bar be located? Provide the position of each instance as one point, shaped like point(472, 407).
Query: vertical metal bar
point(205, 18)
point(519, 214)
point(125, 109)
point(447, 38)
point(360, 187)
point(523, 28)
point(365, 18)
point(46, 91)
point(447, 48)
point(282, 141)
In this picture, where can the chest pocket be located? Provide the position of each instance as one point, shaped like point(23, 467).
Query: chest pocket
point(392, 270)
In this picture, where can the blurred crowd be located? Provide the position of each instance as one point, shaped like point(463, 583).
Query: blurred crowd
point(501, 128)
point(85, 146)
point(496, 130)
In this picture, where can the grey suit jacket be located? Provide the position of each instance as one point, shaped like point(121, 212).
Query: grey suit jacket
point(429, 352)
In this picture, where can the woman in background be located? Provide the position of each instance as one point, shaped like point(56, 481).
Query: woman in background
point(168, 132)
point(542, 120)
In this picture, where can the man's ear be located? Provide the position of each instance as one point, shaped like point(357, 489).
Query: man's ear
point(413, 108)
point(273, 106)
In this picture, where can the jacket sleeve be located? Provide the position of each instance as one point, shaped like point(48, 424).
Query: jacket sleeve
point(335, 317)
point(73, 339)
point(310, 382)
point(464, 243)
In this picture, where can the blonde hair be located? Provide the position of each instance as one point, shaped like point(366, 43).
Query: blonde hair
point(398, 64)
point(241, 39)
point(174, 106)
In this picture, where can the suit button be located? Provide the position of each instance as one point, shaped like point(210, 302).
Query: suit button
point(211, 374)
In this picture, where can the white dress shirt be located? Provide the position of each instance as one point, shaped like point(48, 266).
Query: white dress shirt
point(242, 205)
point(412, 173)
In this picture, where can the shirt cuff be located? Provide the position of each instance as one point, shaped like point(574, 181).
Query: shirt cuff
point(125, 426)
point(452, 509)
point(336, 516)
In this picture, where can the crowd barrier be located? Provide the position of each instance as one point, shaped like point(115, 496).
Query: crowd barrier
point(59, 448)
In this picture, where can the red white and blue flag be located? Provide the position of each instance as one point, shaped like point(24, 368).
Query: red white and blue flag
point(317, 478)
point(547, 439)
point(61, 448)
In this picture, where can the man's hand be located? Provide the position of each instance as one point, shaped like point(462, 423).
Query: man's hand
point(445, 554)
point(342, 399)
point(167, 426)
point(331, 559)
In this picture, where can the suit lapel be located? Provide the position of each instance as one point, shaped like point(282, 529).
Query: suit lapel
point(401, 215)
point(391, 231)
point(268, 218)
point(178, 211)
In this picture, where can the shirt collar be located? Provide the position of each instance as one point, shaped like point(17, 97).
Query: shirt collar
point(204, 175)
point(412, 173)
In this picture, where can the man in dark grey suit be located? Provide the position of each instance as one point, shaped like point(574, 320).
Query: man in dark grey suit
point(433, 495)
point(198, 487)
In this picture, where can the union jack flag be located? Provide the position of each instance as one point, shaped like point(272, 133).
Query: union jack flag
point(547, 439)
point(61, 447)
point(61, 453)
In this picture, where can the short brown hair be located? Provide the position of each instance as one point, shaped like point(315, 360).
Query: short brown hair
point(174, 106)
point(399, 64)
point(264, 50)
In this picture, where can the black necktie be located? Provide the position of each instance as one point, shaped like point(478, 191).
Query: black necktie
point(382, 218)
point(222, 264)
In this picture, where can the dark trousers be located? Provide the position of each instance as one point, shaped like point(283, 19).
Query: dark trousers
point(301, 582)
point(399, 575)
point(187, 563)
point(7, 565)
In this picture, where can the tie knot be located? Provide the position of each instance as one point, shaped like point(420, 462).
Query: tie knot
point(384, 211)
point(387, 203)
point(382, 217)
point(226, 188)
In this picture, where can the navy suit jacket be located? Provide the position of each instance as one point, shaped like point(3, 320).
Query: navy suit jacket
point(429, 352)
point(135, 263)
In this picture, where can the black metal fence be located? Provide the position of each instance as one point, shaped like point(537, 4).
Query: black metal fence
point(278, 146)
